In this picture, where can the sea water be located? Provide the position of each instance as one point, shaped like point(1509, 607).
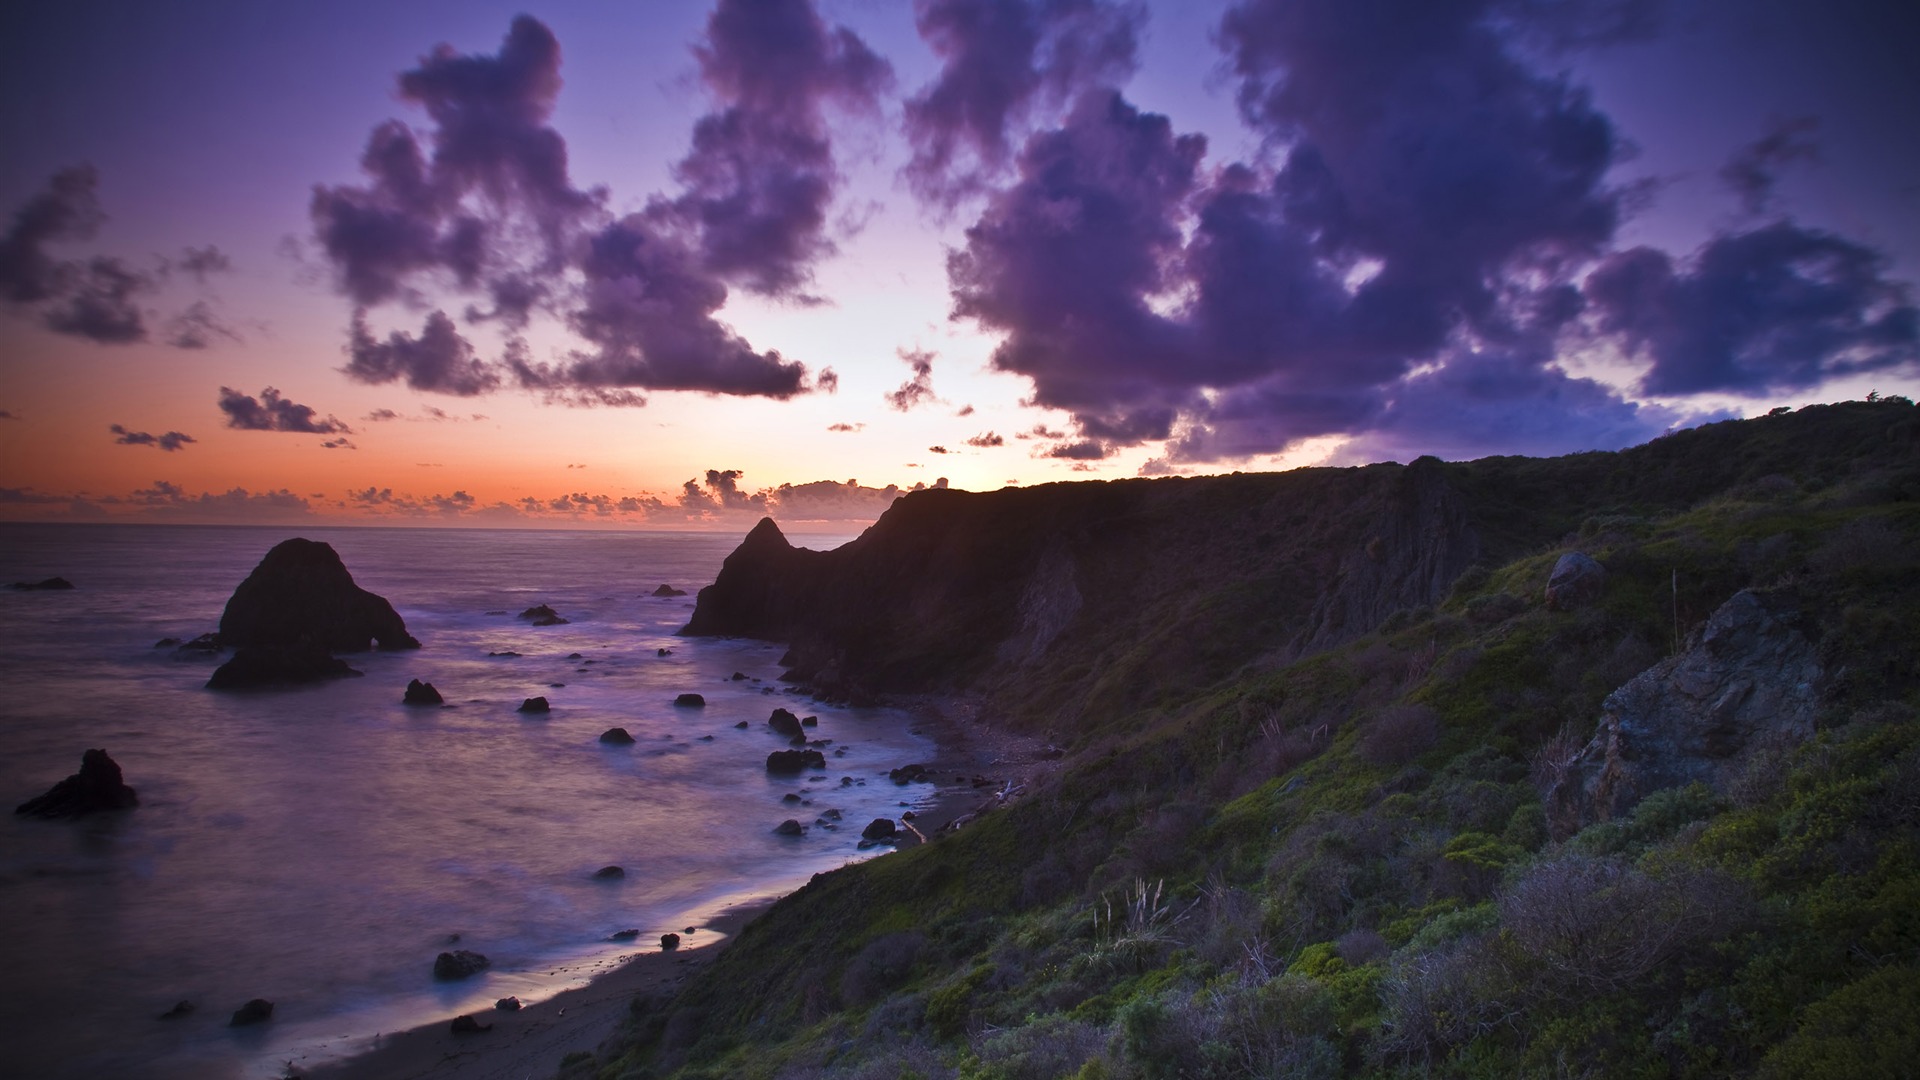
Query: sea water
point(318, 846)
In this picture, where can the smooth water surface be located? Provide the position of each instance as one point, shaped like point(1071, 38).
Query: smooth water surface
point(318, 846)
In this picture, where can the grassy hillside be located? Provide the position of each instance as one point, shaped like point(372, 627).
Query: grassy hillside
point(1275, 859)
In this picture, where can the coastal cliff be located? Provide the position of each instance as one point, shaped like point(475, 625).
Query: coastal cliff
point(1449, 769)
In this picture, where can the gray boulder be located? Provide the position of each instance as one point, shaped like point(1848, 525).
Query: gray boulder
point(1577, 580)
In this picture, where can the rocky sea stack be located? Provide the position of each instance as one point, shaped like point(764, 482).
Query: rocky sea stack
point(296, 609)
point(97, 786)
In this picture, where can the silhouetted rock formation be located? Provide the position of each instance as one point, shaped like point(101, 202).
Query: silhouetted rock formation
point(789, 827)
point(782, 762)
point(301, 594)
point(668, 590)
point(616, 737)
point(784, 723)
point(669, 942)
point(535, 705)
point(691, 701)
point(421, 693)
point(879, 829)
point(257, 1011)
point(1748, 680)
point(610, 873)
point(277, 665)
point(1001, 590)
point(459, 964)
point(97, 786)
point(543, 615)
point(52, 584)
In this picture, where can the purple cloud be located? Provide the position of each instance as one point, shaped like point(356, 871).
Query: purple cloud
point(986, 439)
point(919, 389)
point(1755, 169)
point(271, 412)
point(1779, 307)
point(1000, 61)
point(67, 210)
point(98, 303)
point(172, 440)
point(197, 327)
point(439, 359)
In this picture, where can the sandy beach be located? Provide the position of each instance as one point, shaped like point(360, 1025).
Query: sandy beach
point(973, 765)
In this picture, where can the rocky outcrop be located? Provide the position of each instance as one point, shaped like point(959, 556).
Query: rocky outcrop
point(421, 693)
point(1748, 680)
point(788, 762)
point(542, 615)
point(52, 584)
point(278, 665)
point(1577, 580)
point(459, 964)
point(668, 590)
point(302, 595)
point(97, 786)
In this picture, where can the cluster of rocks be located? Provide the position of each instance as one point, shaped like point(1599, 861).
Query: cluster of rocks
point(542, 615)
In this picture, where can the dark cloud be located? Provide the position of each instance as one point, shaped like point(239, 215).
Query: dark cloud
point(1001, 61)
point(919, 389)
point(380, 416)
point(1776, 308)
point(30, 497)
point(167, 499)
point(439, 359)
point(98, 303)
point(844, 427)
point(1755, 169)
point(197, 327)
point(491, 213)
point(6, 415)
point(172, 440)
point(986, 439)
point(271, 412)
point(827, 381)
point(1085, 450)
point(67, 210)
point(938, 450)
point(338, 444)
point(487, 207)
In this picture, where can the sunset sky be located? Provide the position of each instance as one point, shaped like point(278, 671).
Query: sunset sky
point(663, 264)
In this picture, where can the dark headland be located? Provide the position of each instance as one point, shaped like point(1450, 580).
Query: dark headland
point(1454, 769)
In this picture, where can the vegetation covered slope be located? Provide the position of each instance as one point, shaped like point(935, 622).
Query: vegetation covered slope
point(1329, 856)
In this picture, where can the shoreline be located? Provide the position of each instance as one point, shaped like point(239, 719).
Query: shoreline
point(974, 768)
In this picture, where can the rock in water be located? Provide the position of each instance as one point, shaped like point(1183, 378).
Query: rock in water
point(459, 964)
point(784, 723)
point(669, 942)
point(97, 786)
point(181, 1008)
point(691, 701)
point(880, 829)
point(60, 584)
point(277, 665)
point(616, 737)
point(788, 827)
point(535, 705)
point(668, 590)
point(253, 1012)
point(1576, 582)
point(543, 615)
point(793, 761)
point(508, 1004)
point(609, 873)
point(422, 693)
point(301, 594)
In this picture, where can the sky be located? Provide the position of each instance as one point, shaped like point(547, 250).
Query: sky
point(679, 265)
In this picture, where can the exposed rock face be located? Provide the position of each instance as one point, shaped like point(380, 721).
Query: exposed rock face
point(459, 964)
point(277, 665)
point(1577, 581)
point(1747, 680)
point(1002, 590)
point(97, 786)
point(301, 594)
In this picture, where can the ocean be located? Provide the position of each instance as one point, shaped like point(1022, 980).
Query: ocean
point(318, 846)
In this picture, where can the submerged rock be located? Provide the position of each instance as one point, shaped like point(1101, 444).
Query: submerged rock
point(535, 705)
point(302, 595)
point(793, 761)
point(788, 827)
point(609, 873)
point(691, 701)
point(256, 1011)
point(459, 964)
point(668, 590)
point(616, 737)
point(624, 935)
point(422, 693)
point(277, 665)
point(180, 1008)
point(52, 584)
point(542, 615)
point(910, 774)
point(97, 786)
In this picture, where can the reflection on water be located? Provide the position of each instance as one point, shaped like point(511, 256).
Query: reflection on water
point(318, 846)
